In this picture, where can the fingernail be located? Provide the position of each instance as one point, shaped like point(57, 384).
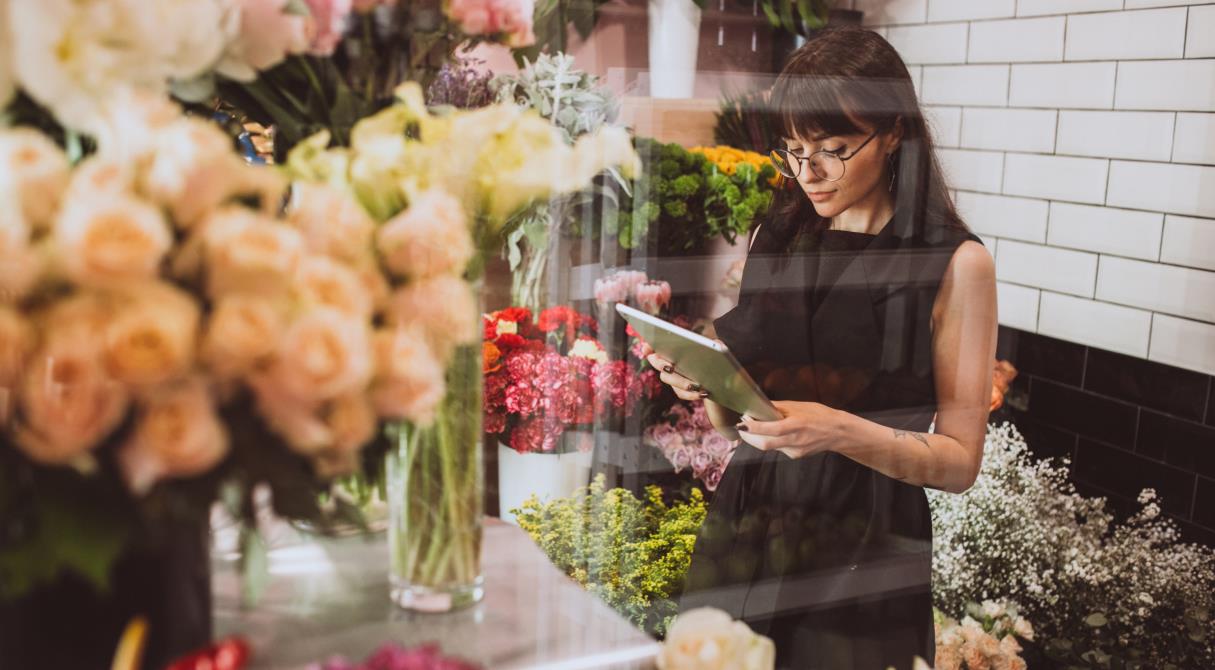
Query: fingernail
point(704, 394)
point(742, 428)
point(667, 368)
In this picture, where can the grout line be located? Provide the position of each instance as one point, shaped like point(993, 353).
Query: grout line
point(1206, 409)
point(1185, 34)
point(1193, 499)
point(1151, 329)
point(1084, 367)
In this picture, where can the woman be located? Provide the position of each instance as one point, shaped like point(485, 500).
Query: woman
point(867, 311)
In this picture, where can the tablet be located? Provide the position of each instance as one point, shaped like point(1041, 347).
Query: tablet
point(705, 361)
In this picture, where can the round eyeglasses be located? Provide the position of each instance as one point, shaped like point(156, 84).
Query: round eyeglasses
point(827, 165)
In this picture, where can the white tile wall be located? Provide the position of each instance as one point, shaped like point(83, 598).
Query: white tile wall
point(1009, 129)
point(1039, 7)
point(966, 84)
point(972, 170)
point(1164, 288)
point(1046, 267)
point(1123, 232)
point(964, 10)
point(1172, 85)
point(1063, 85)
point(1017, 306)
point(1200, 38)
point(1183, 343)
point(1017, 40)
point(946, 124)
point(1004, 217)
point(1138, 135)
point(1194, 139)
point(1056, 177)
point(930, 43)
point(1153, 33)
point(1188, 241)
point(1098, 324)
point(1163, 187)
point(1078, 137)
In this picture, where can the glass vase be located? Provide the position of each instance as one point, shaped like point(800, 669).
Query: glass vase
point(435, 494)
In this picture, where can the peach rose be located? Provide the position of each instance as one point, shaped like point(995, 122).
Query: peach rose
point(36, 173)
point(193, 170)
point(332, 222)
point(100, 175)
point(324, 282)
point(177, 434)
point(324, 354)
point(409, 382)
point(428, 239)
point(247, 252)
point(298, 423)
point(151, 337)
point(20, 265)
point(243, 331)
point(111, 240)
point(444, 307)
point(352, 422)
point(68, 403)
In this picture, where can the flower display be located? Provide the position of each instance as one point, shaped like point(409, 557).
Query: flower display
point(706, 638)
point(727, 159)
point(392, 656)
point(548, 375)
point(984, 641)
point(688, 440)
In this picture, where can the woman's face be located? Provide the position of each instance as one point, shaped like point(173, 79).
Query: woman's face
point(864, 170)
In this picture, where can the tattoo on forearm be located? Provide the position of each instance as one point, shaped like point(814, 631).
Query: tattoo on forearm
point(918, 436)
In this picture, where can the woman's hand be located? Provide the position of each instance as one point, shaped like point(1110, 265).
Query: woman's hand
point(685, 388)
point(808, 428)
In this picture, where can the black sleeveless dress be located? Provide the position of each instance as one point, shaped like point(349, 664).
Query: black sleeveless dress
point(828, 557)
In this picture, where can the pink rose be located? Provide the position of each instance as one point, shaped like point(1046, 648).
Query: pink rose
point(151, 335)
point(409, 382)
point(326, 25)
point(443, 307)
point(268, 34)
point(324, 282)
point(112, 240)
point(242, 332)
point(324, 354)
point(177, 434)
point(246, 252)
point(513, 18)
point(331, 221)
point(430, 238)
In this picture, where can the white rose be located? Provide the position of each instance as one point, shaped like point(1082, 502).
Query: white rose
point(992, 609)
point(268, 33)
point(708, 639)
point(111, 240)
point(34, 172)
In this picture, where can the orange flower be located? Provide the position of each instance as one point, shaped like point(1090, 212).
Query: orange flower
point(490, 357)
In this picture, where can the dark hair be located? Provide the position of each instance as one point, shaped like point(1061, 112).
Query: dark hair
point(844, 75)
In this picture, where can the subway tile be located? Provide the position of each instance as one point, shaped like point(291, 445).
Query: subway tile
point(1161, 288)
point(1127, 474)
point(1204, 503)
point(946, 124)
point(1063, 85)
point(1170, 85)
point(1046, 267)
point(972, 170)
point(1031, 130)
point(1086, 414)
point(1193, 533)
point(1095, 323)
point(1210, 419)
point(1057, 177)
point(1194, 139)
point(1137, 135)
point(1183, 343)
point(1045, 441)
point(1017, 306)
point(1143, 4)
point(888, 12)
point(1145, 383)
point(1003, 216)
point(966, 84)
point(1123, 232)
point(1156, 33)
point(1182, 444)
point(1048, 357)
point(1040, 7)
point(1163, 187)
point(1017, 40)
point(1200, 37)
point(930, 43)
point(965, 10)
point(1188, 241)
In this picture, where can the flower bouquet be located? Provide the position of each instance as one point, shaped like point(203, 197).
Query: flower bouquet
point(689, 441)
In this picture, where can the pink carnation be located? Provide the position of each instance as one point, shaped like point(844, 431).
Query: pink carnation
point(652, 296)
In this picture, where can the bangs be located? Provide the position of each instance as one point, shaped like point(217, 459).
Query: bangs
point(809, 105)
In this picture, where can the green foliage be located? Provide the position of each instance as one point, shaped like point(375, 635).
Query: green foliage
point(669, 196)
point(734, 202)
point(743, 122)
point(634, 554)
point(572, 99)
